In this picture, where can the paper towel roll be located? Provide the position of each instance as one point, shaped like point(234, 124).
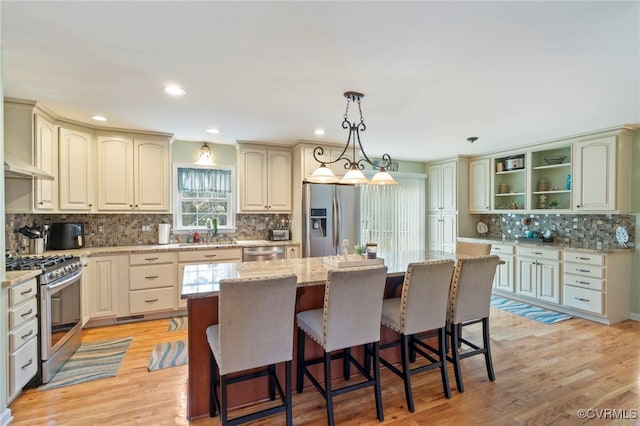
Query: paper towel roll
point(163, 233)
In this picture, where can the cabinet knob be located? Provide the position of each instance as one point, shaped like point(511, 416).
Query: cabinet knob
point(130, 205)
point(41, 203)
point(90, 205)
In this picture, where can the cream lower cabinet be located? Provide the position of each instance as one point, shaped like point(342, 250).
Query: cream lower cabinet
point(107, 274)
point(152, 282)
point(22, 336)
point(221, 255)
point(292, 251)
point(265, 180)
point(504, 278)
point(538, 272)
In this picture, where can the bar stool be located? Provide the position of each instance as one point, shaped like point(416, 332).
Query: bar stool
point(473, 249)
point(422, 307)
point(470, 304)
point(252, 334)
point(350, 317)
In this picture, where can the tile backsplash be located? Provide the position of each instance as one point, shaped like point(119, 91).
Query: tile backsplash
point(109, 230)
point(585, 231)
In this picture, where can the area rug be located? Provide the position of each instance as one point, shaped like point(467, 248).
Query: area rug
point(177, 323)
point(91, 361)
point(528, 311)
point(168, 354)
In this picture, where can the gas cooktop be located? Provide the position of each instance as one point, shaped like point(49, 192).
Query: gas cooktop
point(43, 263)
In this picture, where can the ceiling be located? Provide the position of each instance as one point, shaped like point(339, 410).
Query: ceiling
point(433, 73)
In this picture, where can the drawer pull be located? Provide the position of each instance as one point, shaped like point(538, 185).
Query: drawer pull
point(24, 293)
point(27, 364)
point(582, 299)
point(583, 282)
point(210, 255)
point(151, 301)
point(538, 253)
point(151, 277)
point(583, 270)
point(24, 336)
point(584, 258)
point(26, 314)
point(150, 259)
point(497, 249)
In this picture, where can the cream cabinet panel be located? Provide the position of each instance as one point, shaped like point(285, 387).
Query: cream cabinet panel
point(441, 232)
point(293, 252)
point(442, 186)
point(46, 159)
point(538, 273)
point(115, 173)
point(330, 154)
point(152, 167)
point(76, 183)
point(595, 175)
point(265, 180)
point(106, 274)
point(480, 185)
point(504, 278)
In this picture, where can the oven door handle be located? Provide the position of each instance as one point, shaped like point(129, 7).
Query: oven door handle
point(58, 285)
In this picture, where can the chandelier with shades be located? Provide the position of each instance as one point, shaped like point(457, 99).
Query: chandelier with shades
point(354, 168)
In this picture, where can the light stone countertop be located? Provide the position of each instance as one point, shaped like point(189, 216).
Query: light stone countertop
point(554, 245)
point(16, 277)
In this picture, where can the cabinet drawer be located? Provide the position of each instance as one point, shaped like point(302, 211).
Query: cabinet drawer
point(22, 291)
point(141, 277)
point(22, 313)
point(586, 282)
point(21, 335)
point(586, 270)
point(23, 365)
point(584, 298)
point(501, 249)
point(538, 253)
point(151, 258)
point(587, 258)
point(157, 299)
point(231, 254)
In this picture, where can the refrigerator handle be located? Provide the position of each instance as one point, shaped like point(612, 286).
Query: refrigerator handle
point(336, 224)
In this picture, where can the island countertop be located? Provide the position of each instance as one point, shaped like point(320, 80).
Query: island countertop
point(201, 280)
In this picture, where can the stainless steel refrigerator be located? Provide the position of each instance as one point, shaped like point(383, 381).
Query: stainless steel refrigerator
point(330, 214)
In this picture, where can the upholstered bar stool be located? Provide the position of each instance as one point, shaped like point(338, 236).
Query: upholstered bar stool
point(350, 317)
point(470, 300)
point(473, 249)
point(422, 307)
point(255, 331)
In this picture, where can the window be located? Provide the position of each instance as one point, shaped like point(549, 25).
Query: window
point(203, 193)
point(394, 215)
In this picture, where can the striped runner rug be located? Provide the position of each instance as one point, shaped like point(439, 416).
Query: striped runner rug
point(177, 323)
point(528, 311)
point(168, 354)
point(91, 361)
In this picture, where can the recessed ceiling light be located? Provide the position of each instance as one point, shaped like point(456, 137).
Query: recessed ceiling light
point(213, 130)
point(174, 90)
point(319, 132)
point(99, 117)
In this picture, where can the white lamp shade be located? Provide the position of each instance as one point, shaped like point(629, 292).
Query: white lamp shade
point(205, 156)
point(383, 178)
point(353, 177)
point(322, 175)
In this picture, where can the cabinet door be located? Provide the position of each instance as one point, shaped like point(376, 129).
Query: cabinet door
point(548, 281)
point(434, 185)
point(115, 173)
point(449, 234)
point(151, 167)
point(526, 283)
point(253, 178)
point(46, 159)
point(449, 187)
point(279, 181)
point(480, 185)
point(595, 175)
point(434, 231)
point(103, 291)
point(76, 170)
point(504, 275)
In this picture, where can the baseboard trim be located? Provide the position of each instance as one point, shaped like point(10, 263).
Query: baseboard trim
point(634, 317)
point(6, 417)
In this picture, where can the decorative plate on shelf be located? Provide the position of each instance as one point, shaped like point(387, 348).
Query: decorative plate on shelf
point(622, 236)
point(482, 228)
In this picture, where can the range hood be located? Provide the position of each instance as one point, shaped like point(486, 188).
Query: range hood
point(17, 168)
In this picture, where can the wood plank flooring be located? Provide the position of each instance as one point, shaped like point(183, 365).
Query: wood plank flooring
point(544, 375)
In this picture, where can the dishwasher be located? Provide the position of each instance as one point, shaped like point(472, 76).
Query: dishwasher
point(251, 254)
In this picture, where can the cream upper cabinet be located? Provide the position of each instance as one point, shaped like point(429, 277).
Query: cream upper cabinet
point(133, 174)
point(46, 159)
point(480, 185)
point(330, 153)
point(443, 190)
point(601, 174)
point(265, 180)
point(76, 172)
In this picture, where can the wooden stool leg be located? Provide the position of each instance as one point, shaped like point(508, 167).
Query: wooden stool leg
point(376, 375)
point(455, 356)
point(442, 339)
point(288, 384)
point(327, 387)
point(300, 361)
point(487, 346)
point(406, 370)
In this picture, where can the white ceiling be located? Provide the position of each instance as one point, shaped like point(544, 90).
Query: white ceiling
point(433, 73)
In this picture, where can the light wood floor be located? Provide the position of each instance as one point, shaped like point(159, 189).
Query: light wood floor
point(544, 375)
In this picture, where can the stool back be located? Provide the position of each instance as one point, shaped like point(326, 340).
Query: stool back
point(256, 322)
point(471, 286)
point(473, 249)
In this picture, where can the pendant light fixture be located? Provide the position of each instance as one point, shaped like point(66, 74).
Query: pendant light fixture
point(354, 168)
point(205, 156)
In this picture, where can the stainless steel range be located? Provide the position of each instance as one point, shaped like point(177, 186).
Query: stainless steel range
point(60, 314)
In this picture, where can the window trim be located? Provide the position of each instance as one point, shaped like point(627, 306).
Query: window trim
point(232, 199)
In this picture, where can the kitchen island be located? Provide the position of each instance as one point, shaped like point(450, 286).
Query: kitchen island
point(200, 288)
